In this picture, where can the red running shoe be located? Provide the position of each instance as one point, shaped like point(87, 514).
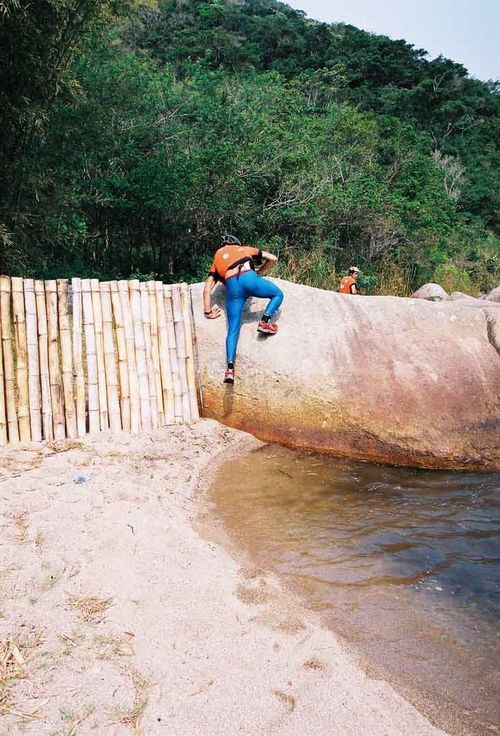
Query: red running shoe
point(267, 328)
point(229, 376)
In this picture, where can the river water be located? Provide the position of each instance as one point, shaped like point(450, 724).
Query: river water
point(403, 564)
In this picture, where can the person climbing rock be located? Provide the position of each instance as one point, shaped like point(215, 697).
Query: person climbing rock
point(348, 283)
point(240, 268)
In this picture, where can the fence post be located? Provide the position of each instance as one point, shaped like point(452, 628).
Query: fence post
point(115, 423)
point(66, 358)
point(4, 437)
point(90, 353)
point(33, 360)
point(166, 373)
point(172, 345)
point(77, 352)
point(23, 413)
point(190, 368)
point(8, 358)
point(180, 341)
point(43, 353)
point(135, 405)
point(122, 356)
point(140, 353)
point(155, 351)
point(99, 344)
point(56, 391)
point(146, 322)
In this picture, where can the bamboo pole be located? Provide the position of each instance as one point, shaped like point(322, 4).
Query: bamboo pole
point(91, 356)
point(77, 354)
point(109, 358)
point(155, 351)
point(43, 354)
point(23, 412)
point(140, 353)
point(167, 379)
point(4, 437)
point(99, 343)
point(122, 356)
point(190, 367)
point(180, 341)
point(66, 358)
point(135, 405)
point(56, 389)
point(33, 360)
point(8, 359)
point(146, 323)
point(174, 363)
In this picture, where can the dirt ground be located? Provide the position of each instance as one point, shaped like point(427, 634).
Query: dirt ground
point(118, 616)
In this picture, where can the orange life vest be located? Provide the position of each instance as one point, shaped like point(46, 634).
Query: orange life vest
point(345, 285)
point(232, 255)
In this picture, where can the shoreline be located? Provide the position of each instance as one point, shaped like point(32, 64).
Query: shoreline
point(233, 525)
point(128, 618)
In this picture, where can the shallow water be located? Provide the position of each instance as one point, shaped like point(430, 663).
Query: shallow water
point(404, 564)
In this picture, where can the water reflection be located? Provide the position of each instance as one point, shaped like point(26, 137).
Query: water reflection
point(405, 562)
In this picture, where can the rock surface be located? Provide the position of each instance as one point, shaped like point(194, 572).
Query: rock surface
point(431, 292)
point(494, 295)
point(385, 379)
point(455, 295)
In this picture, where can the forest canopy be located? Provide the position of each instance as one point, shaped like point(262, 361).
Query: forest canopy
point(133, 134)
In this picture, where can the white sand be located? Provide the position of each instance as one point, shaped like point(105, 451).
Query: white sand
point(192, 642)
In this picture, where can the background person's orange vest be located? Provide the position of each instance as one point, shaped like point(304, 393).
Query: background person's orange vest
point(345, 285)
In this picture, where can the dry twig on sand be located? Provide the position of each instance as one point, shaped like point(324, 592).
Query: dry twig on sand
point(21, 521)
point(13, 667)
point(109, 647)
point(132, 718)
point(91, 608)
point(64, 445)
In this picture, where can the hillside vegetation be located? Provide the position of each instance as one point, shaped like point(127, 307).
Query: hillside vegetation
point(134, 134)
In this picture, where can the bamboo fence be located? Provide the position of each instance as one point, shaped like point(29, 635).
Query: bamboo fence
point(87, 356)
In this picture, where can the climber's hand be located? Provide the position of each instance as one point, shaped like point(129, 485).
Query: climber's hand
point(214, 312)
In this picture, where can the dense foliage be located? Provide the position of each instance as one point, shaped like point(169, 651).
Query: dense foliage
point(128, 145)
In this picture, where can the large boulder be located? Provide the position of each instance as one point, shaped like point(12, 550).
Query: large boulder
point(455, 295)
point(431, 292)
point(494, 295)
point(385, 379)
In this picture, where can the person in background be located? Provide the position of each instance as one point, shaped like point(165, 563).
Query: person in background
point(348, 283)
point(240, 268)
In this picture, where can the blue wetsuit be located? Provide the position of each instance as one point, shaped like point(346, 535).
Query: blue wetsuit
point(238, 290)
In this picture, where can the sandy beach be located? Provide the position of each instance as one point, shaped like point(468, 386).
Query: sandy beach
point(121, 612)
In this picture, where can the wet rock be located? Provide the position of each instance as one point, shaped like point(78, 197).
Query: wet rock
point(385, 379)
point(431, 292)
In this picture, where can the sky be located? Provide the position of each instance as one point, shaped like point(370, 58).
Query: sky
point(466, 31)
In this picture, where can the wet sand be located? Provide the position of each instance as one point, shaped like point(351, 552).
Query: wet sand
point(121, 611)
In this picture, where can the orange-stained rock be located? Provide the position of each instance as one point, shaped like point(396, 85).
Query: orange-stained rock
point(403, 381)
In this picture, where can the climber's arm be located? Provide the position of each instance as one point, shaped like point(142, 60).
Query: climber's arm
point(210, 312)
point(269, 259)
